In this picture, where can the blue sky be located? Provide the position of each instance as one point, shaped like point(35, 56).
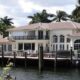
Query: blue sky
point(20, 9)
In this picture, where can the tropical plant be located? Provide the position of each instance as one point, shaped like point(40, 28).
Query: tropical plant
point(60, 15)
point(5, 74)
point(41, 17)
point(76, 13)
point(7, 21)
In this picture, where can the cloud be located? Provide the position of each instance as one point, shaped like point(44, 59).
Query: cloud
point(29, 6)
point(20, 9)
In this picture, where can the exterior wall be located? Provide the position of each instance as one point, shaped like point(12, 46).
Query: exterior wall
point(65, 33)
point(49, 42)
point(36, 42)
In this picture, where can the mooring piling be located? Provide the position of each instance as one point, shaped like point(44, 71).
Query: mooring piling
point(2, 56)
point(25, 53)
point(71, 54)
point(14, 58)
point(40, 57)
point(55, 61)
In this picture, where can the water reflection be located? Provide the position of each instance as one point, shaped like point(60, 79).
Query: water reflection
point(33, 74)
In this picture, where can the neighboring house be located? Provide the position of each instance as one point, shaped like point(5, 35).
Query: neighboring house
point(5, 44)
point(52, 36)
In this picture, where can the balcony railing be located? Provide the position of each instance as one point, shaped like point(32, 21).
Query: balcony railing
point(29, 37)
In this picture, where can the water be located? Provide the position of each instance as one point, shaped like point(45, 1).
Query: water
point(33, 74)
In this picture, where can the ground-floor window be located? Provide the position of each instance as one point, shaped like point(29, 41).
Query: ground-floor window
point(4, 47)
point(67, 47)
point(29, 46)
point(33, 46)
point(9, 47)
point(61, 46)
point(77, 44)
point(55, 47)
point(26, 46)
point(20, 46)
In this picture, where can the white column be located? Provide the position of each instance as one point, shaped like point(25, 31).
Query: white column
point(65, 45)
point(36, 46)
point(6, 47)
point(72, 43)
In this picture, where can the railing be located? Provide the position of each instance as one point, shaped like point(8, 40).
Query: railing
point(29, 37)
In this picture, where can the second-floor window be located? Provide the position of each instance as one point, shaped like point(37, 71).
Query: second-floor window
point(61, 38)
point(68, 40)
point(55, 38)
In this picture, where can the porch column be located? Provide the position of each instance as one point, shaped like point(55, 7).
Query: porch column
point(36, 46)
point(6, 47)
point(72, 43)
point(65, 44)
point(58, 44)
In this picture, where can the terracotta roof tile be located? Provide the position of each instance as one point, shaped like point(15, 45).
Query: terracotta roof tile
point(5, 40)
point(50, 26)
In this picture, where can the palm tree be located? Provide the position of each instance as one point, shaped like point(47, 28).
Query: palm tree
point(76, 13)
point(61, 15)
point(41, 17)
point(7, 21)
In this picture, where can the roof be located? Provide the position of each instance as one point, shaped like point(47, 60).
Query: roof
point(75, 34)
point(5, 40)
point(49, 26)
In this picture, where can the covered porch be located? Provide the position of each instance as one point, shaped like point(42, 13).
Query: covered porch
point(6, 45)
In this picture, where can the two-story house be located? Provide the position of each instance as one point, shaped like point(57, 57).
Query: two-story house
point(52, 36)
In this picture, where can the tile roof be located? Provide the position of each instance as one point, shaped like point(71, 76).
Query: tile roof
point(5, 40)
point(49, 26)
point(75, 34)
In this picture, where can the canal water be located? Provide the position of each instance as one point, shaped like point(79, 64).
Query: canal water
point(33, 74)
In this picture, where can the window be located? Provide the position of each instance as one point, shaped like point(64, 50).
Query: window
point(55, 38)
point(55, 47)
point(61, 46)
point(33, 46)
point(27, 46)
point(61, 38)
point(20, 46)
point(47, 34)
point(68, 39)
point(77, 45)
point(9, 47)
point(4, 47)
point(67, 47)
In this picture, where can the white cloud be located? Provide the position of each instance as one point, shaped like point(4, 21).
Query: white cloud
point(28, 7)
point(20, 9)
point(2, 10)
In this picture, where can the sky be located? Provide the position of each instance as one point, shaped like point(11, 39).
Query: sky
point(20, 9)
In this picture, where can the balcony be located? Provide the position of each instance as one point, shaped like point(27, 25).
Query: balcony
point(29, 37)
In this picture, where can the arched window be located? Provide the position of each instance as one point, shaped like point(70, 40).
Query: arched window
point(55, 38)
point(77, 44)
point(61, 38)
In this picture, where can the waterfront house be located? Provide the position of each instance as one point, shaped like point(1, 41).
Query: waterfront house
point(53, 36)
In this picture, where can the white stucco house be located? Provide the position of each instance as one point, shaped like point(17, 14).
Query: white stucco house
point(52, 36)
